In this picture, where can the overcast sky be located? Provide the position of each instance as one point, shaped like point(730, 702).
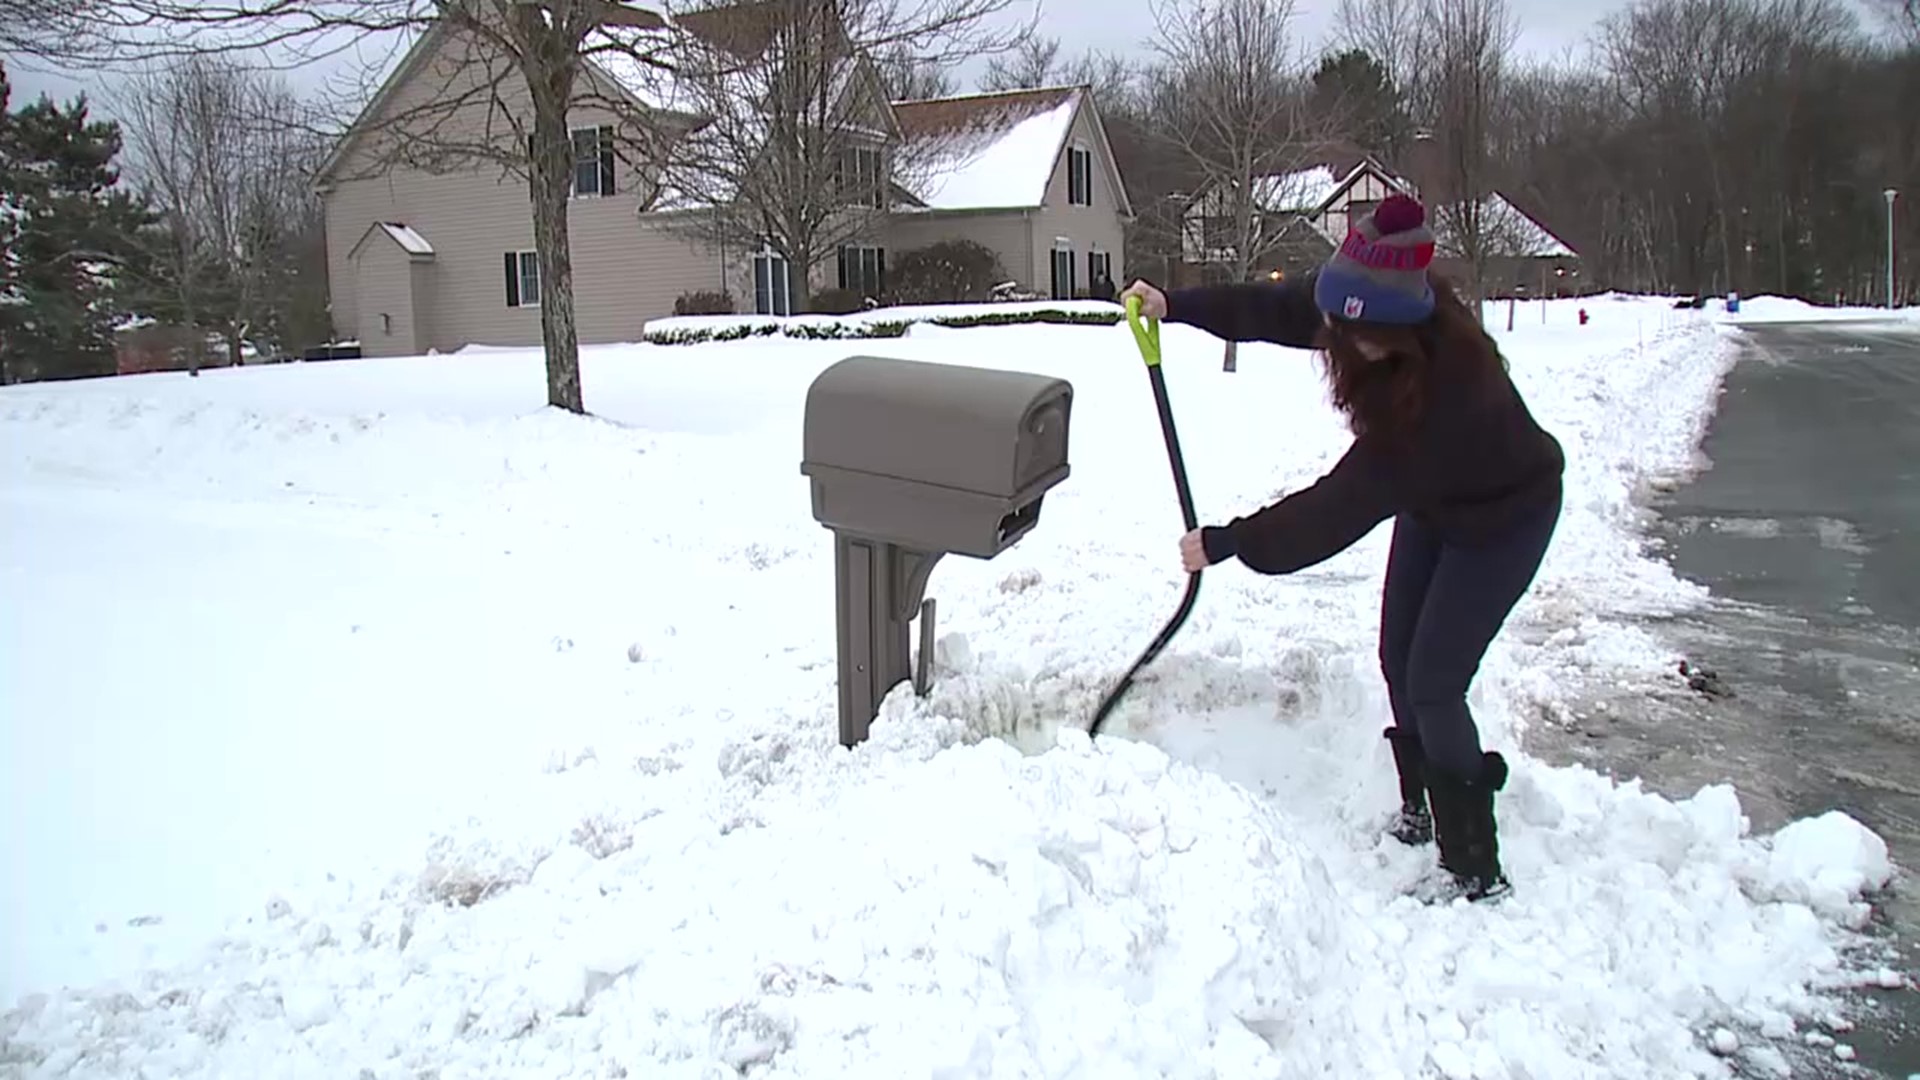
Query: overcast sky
point(1549, 29)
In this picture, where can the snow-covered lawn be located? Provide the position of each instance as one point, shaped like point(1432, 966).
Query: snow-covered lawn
point(365, 719)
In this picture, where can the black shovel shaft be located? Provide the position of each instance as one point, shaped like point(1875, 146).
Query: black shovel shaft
point(1187, 514)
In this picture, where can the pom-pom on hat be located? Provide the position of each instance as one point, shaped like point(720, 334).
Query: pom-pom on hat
point(1380, 272)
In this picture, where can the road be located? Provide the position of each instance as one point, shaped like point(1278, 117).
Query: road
point(1806, 527)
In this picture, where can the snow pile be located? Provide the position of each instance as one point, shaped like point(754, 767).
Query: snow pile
point(487, 741)
point(1777, 309)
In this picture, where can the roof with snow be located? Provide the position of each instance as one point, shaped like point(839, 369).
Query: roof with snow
point(403, 236)
point(410, 241)
point(1506, 230)
point(985, 151)
point(1301, 191)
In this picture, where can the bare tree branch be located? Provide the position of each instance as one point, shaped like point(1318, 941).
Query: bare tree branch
point(1233, 98)
point(1468, 44)
point(794, 147)
point(907, 77)
point(1029, 66)
point(494, 82)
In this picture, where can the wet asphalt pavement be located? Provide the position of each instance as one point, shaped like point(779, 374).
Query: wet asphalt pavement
point(1806, 527)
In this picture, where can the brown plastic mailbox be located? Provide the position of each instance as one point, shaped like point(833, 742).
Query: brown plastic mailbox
point(908, 461)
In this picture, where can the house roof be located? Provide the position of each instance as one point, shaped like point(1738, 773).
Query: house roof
point(987, 151)
point(1300, 191)
point(603, 57)
point(1507, 231)
point(416, 247)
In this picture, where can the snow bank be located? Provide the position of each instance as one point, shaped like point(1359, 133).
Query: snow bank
point(1773, 309)
point(448, 733)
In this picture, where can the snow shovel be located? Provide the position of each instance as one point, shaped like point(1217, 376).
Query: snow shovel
point(1147, 336)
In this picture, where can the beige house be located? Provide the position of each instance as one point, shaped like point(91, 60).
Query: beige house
point(434, 255)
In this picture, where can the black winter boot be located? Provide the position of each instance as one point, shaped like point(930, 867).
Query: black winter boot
point(1463, 827)
point(1413, 825)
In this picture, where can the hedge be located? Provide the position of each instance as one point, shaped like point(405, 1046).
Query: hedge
point(876, 328)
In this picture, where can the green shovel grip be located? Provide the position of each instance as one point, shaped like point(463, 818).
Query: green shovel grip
point(1146, 333)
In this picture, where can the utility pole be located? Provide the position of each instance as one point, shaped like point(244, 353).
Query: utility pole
point(1891, 194)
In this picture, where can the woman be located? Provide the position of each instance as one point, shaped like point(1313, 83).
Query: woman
point(1444, 445)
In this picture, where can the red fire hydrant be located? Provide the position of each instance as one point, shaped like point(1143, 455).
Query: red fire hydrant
point(1583, 316)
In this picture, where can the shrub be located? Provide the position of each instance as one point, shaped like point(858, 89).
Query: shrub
point(704, 302)
point(837, 302)
point(888, 328)
point(947, 272)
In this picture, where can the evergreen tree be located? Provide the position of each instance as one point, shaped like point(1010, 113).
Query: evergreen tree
point(73, 241)
point(1357, 89)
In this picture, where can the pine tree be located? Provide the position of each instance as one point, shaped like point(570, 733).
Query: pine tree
point(73, 241)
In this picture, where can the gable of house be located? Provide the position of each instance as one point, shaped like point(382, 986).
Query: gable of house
point(483, 284)
point(1033, 174)
point(1506, 232)
point(1002, 151)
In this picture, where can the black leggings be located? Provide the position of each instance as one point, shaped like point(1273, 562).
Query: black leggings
point(1439, 610)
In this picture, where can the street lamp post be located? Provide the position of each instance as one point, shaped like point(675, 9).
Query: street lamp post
point(1891, 194)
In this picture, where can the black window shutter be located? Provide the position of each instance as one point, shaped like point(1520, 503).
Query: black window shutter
point(530, 169)
point(843, 267)
point(879, 272)
point(606, 159)
point(513, 280)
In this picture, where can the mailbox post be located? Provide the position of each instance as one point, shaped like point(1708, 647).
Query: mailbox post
point(909, 461)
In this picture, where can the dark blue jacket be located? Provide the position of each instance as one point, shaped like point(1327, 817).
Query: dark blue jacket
point(1475, 464)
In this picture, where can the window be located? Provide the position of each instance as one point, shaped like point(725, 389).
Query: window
point(593, 161)
point(523, 279)
point(864, 270)
point(1080, 176)
point(861, 176)
point(1100, 272)
point(772, 289)
point(1063, 273)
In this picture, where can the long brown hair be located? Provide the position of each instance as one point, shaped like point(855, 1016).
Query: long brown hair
point(1387, 397)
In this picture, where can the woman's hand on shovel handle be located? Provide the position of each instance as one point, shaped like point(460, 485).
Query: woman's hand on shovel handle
point(1193, 553)
point(1153, 302)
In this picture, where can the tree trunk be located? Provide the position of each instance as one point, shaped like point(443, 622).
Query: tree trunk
point(799, 278)
point(552, 169)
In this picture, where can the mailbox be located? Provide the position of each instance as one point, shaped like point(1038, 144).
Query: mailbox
point(936, 457)
point(908, 461)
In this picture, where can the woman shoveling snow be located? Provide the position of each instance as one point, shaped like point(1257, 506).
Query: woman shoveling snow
point(1444, 445)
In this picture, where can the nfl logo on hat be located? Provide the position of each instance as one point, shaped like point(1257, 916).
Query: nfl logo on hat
point(1354, 307)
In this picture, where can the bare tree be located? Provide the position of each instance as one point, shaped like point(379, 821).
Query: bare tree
point(1392, 32)
point(794, 149)
point(1468, 43)
point(1030, 65)
point(1232, 97)
point(226, 157)
point(504, 75)
point(907, 77)
point(44, 28)
point(1900, 16)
